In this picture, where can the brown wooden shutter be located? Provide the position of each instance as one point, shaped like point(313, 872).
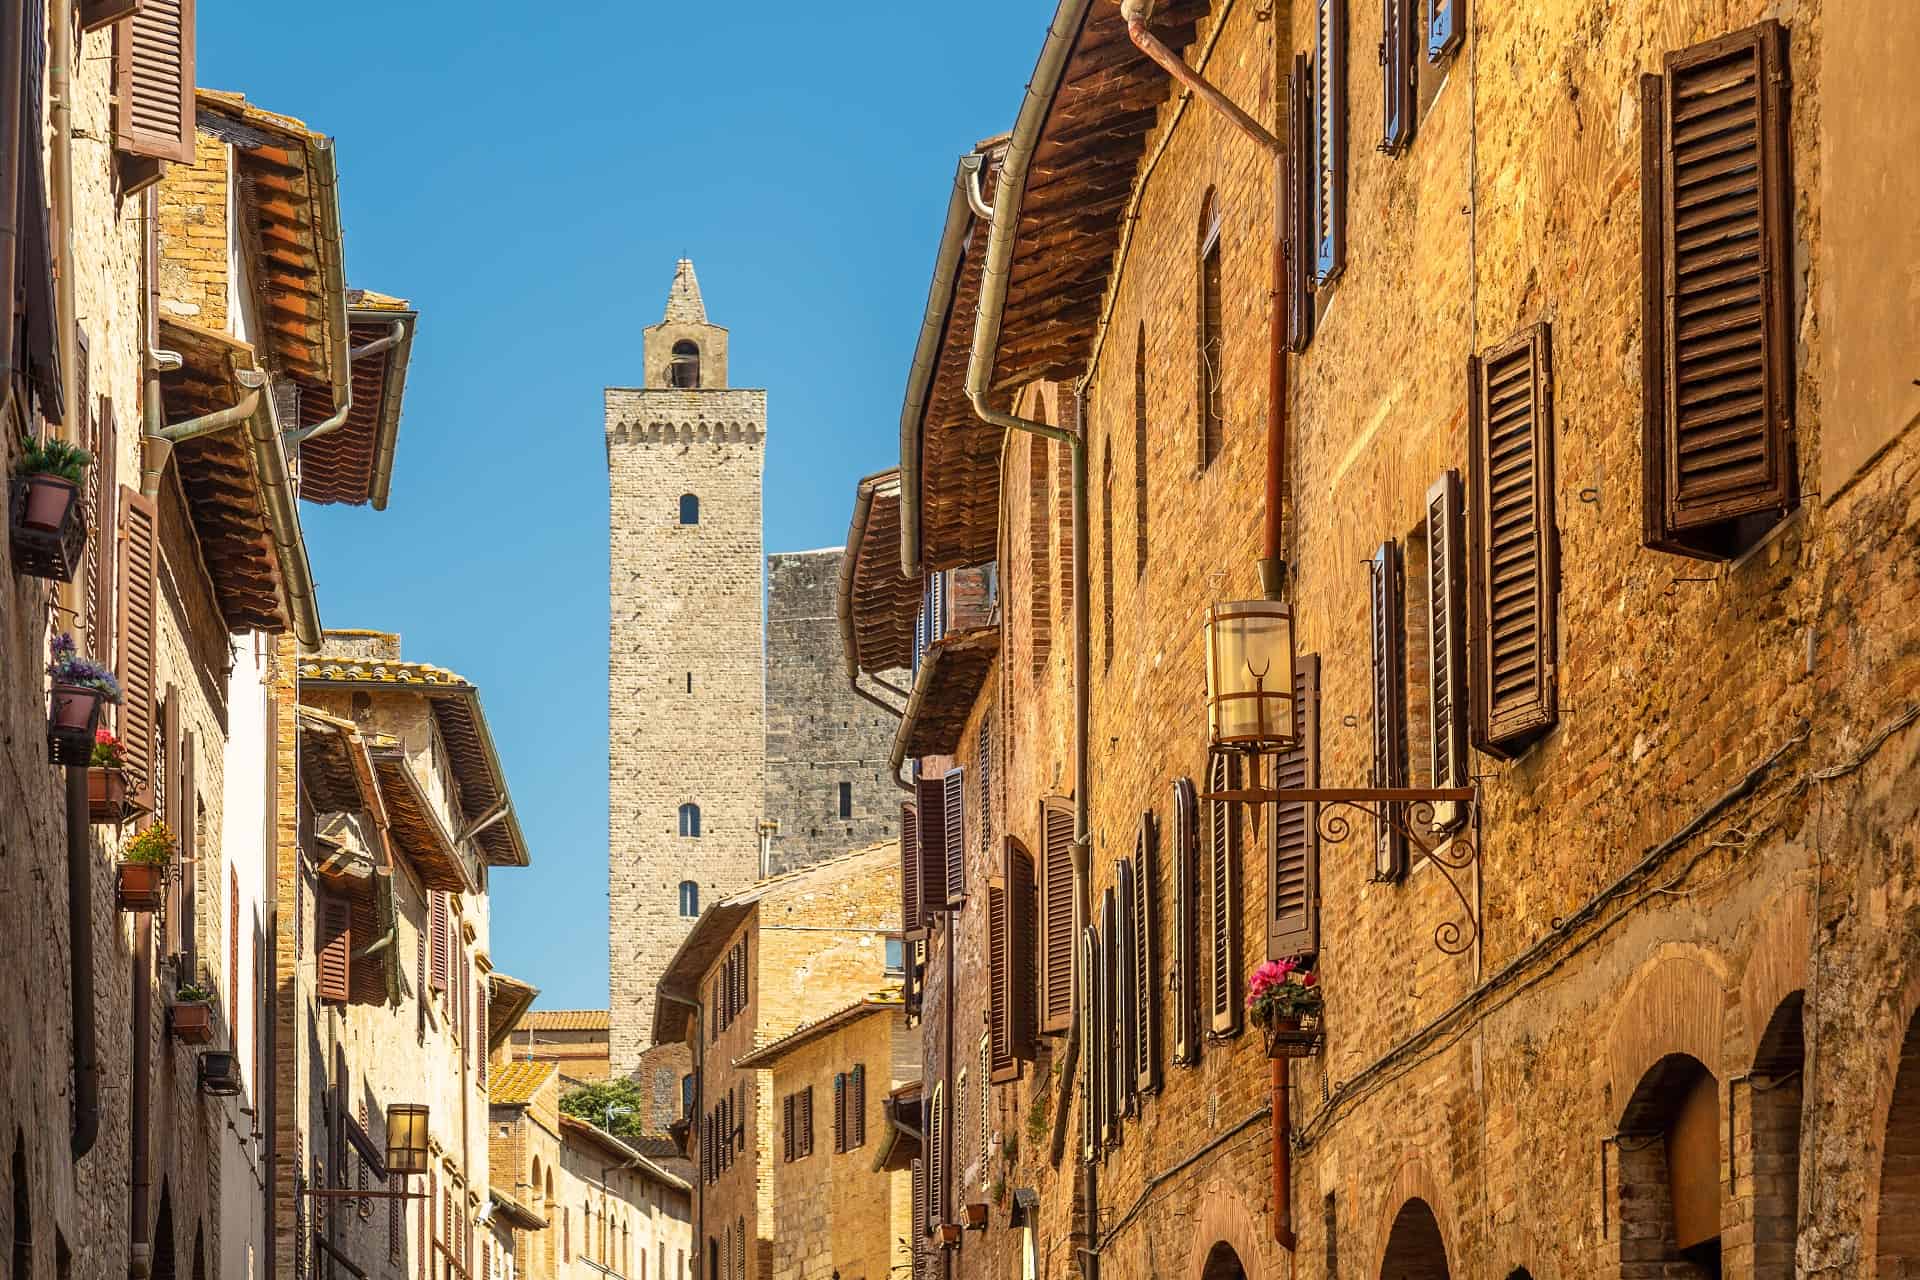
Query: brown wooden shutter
point(95, 14)
point(102, 550)
point(1514, 553)
point(955, 831)
point(1330, 120)
point(233, 953)
point(857, 1088)
point(1126, 1026)
point(482, 1019)
point(1446, 25)
point(983, 766)
point(437, 918)
point(139, 595)
point(1090, 1056)
point(910, 915)
point(153, 81)
point(1293, 840)
point(333, 949)
point(1717, 300)
point(1388, 633)
point(937, 1147)
point(170, 812)
point(806, 1118)
point(1022, 986)
point(1146, 957)
point(1056, 914)
point(1113, 1062)
point(1223, 897)
point(1298, 205)
point(839, 1111)
point(1399, 95)
point(919, 1213)
point(1184, 960)
point(931, 806)
point(999, 1053)
point(910, 976)
point(1447, 632)
point(188, 875)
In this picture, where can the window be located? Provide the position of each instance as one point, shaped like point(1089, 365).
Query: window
point(686, 1098)
point(1397, 86)
point(911, 910)
point(1213, 421)
point(1056, 915)
point(689, 899)
point(1389, 642)
point(689, 508)
point(954, 789)
point(1224, 896)
point(1143, 951)
point(896, 955)
point(1293, 834)
point(153, 84)
point(1139, 454)
point(1299, 212)
point(1446, 635)
point(1039, 556)
point(1010, 978)
point(1184, 979)
point(689, 682)
point(684, 371)
point(1446, 25)
point(690, 820)
point(1330, 128)
point(846, 799)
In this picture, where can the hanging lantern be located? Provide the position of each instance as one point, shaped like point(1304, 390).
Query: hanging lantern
point(1249, 675)
point(406, 1138)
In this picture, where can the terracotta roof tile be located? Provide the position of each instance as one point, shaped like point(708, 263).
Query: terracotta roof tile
point(515, 1084)
point(566, 1020)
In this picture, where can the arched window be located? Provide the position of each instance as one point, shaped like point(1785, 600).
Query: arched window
point(685, 370)
point(1212, 386)
point(690, 820)
point(689, 508)
point(689, 899)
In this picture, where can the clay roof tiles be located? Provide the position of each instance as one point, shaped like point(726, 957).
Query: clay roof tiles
point(514, 1084)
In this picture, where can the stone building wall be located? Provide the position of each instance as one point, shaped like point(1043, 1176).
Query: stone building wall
point(821, 737)
point(685, 670)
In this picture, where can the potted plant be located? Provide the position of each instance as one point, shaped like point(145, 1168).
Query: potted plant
point(192, 1014)
point(48, 526)
point(107, 803)
point(80, 686)
point(1284, 1001)
point(143, 869)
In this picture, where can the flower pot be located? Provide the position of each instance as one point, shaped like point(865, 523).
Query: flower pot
point(193, 1022)
point(219, 1073)
point(1294, 1037)
point(141, 886)
point(73, 713)
point(976, 1217)
point(107, 797)
point(949, 1233)
point(46, 526)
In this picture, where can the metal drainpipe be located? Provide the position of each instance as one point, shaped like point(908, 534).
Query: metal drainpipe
point(699, 1105)
point(140, 1253)
point(302, 435)
point(12, 73)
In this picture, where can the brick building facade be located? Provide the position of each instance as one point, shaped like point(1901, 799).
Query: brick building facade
point(1658, 1023)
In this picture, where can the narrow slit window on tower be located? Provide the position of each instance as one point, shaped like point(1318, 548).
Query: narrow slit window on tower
point(689, 508)
point(846, 799)
point(689, 682)
point(689, 899)
point(685, 370)
point(690, 820)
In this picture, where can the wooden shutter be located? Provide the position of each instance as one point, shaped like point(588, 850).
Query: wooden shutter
point(1388, 632)
point(1090, 1057)
point(839, 1111)
point(189, 871)
point(931, 806)
point(1446, 25)
point(1330, 120)
point(955, 831)
point(1146, 957)
point(1446, 632)
point(437, 921)
point(1717, 301)
point(999, 1053)
point(937, 1153)
point(1514, 569)
point(984, 790)
point(1298, 205)
point(1293, 834)
point(740, 1249)
point(153, 81)
point(104, 534)
point(1106, 995)
point(1399, 96)
point(1022, 987)
point(910, 976)
point(910, 914)
point(482, 1020)
point(1056, 914)
point(333, 949)
point(806, 1121)
point(138, 627)
point(233, 952)
point(95, 14)
point(919, 1212)
point(1223, 899)
point(170, 813)
point(1126, 1027)
point(857, 1103)
point(1185, 957)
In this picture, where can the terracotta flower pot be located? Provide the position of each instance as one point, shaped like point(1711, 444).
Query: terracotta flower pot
point(141, 886)
point(1299, 1036)
point(73, 713)
point(976, 1217)
point(949, 1233)
point(48, 499)
point(106, 797)
point(193, 1022)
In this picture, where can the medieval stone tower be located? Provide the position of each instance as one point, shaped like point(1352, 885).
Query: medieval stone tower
point(686, 705)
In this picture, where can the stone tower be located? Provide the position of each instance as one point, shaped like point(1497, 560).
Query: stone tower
point(686, 717)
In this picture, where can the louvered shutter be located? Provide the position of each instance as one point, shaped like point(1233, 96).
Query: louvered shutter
point(984, 790)
point(956, 862)
point(1330, 127)
point(919, 1212)
point(909, 871)
point(1000, 1054)
point(95, 14)
point(745, 987)
point(839, 1111)
point(1514, 545)
point(1126, 1053)
point(1056, 915)
point(1716, 246)
point(1090, 1057)
point(857, 1105)
point(103, 550)
point(333, 949)
point(1446, 632)
point(806, 1120)
point(139, 594)
point(1388, 632)
point(1398, 93)
point(937, 1148)
point(1446, 25)
point(437, 922)
point(1112, 1062)
point(1293, 841)
point(1223, 897)
point(910, 976)
point(1184, 978)
point(189, 870)
point(153, 81)
point(482, 1021)
point(1298, 205)
point(1146, 957)
point(740, 1249)
point(170, 811)
point(1022, 1004)
point(931, 806)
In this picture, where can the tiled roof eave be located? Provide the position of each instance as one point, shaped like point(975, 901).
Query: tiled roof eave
point(952, 673)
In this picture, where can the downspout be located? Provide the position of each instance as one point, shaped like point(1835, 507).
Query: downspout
point(302, 435)
point(1272, 564)
point(160, 439)
point(13, 20)
point(140, 1253)
point(699, 1106)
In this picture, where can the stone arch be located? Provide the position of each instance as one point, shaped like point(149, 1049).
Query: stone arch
point(163, 1266)
point(1223, 1222)
point(199, 1252)
point(1672, 1005)
point(1669, 1158)
point(1892, 1230)
point(1414, 1181)
point(683, 369)
point(1776, 961)
point(1771, 1173)
point(1415, 1249)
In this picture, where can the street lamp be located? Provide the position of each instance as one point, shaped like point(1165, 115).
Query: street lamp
point(407, 1138)
point(1250, 676)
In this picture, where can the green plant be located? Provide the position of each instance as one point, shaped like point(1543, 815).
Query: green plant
point(1037, 1123)
point(193, 993)
point(999, 1191)
point(1283, 989)
point(618, 1106)
point(153, 847)
point(1009, 1147)
point(53, 457)
point(107, 751)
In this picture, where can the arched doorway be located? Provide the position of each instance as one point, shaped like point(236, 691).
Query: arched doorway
point(1774, 1099)
point(163, 1266)
point(1415, 1250)
point(1669, 1170)
point(1897, 1252)
point(22, 1249)
point(1223, 1264)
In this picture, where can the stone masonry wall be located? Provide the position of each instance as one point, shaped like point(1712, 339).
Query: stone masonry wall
point(820, 735)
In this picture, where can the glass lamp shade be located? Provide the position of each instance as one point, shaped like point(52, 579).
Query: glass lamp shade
point(406, 1138)
point(1250, 675)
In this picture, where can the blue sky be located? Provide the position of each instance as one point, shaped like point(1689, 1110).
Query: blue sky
point(527, 175)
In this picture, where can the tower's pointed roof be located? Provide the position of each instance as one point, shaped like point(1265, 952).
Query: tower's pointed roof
point(683, 300)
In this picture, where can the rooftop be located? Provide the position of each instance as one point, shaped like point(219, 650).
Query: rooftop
point(566, 1020)
point(880, 1002)
point(514, 1084)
